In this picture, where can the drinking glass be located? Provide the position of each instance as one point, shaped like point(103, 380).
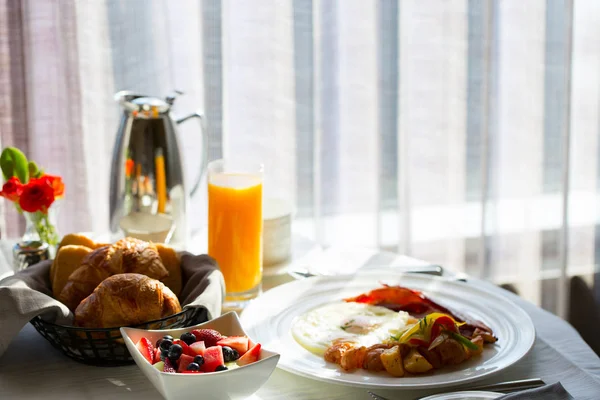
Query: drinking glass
point(235, 226)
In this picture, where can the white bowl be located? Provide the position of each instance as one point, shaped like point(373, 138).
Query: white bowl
point(157, 228)
point(237, 383)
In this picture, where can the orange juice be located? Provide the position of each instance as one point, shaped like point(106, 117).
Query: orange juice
point(235, 228)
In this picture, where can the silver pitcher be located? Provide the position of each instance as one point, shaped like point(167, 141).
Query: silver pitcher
point(148, 197)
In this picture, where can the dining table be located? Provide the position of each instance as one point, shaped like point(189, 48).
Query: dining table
point(32, 369)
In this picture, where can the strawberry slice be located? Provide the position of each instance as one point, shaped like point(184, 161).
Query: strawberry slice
point(197, 348)
point(251, 356)
point(157, 355)
point(239, 343)
point(168, 366)
point(184, 361)
point(146, 347)
point(210, 337)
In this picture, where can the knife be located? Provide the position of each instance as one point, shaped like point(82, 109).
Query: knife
point(511, 386)
point(432, 269)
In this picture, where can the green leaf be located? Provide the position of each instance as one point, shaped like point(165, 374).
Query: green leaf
point(14, 163)
point(34, 170)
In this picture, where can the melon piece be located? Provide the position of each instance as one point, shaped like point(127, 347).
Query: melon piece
point(251, 356)
point(213, 357)
point(197, 348)
point(238, 343)
point(184, 361)
point(159, 366)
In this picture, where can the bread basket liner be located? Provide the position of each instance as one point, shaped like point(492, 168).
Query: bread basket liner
point(28, 294)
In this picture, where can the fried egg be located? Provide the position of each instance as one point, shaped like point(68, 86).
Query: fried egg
point(364, 324)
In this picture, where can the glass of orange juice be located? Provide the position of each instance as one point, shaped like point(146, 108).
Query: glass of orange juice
point(235, 226)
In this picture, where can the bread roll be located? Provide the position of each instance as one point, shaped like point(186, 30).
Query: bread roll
point(126, 256)
point(78, 240)
point(124, 300)
point(172, 263)
point(67, 260)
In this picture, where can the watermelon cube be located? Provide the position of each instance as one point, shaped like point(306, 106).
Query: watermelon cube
point(213, 357)
point(251, 356)
point(239, 343)
point(184, 361)
point(184, 347)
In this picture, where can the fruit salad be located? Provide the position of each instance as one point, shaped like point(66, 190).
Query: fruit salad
point(199, 351)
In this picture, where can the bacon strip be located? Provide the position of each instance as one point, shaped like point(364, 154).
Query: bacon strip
point(414, 302)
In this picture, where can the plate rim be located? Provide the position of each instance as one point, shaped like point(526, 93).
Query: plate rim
point(383, 274)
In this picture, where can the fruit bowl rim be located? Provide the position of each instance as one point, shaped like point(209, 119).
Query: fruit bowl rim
point(231, 314)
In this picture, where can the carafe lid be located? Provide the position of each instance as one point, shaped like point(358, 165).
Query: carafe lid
point(141, 105)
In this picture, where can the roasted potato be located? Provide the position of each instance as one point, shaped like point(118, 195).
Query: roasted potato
point(373, 360)
point(415, 363)
point(486, 336)
point(334, 353)
point(353, 358)
point(391, 359)
point(431, 356)
point(478, 341)
point(451, 352)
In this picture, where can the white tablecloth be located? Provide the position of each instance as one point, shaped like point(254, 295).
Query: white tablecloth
point(33, 369)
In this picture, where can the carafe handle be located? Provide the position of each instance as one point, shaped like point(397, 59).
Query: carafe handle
point(203, 165)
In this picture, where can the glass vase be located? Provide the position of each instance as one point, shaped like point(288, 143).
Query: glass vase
point(42, 227)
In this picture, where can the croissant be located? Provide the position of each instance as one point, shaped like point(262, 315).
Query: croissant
point(126, 299)
point(128, 255)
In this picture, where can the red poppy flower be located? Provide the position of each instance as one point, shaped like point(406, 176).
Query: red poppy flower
point(12, 189)
point(37, 195)
point(56, 183)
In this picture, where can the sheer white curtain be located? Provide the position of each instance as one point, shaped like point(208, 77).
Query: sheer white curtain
point(463, 132)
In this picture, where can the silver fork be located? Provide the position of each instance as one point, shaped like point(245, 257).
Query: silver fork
point(504, 387)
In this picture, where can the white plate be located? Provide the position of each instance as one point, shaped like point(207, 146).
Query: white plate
point(269, 317)
point(468, 395)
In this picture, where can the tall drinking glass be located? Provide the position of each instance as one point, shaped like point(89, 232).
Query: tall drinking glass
point(235, 226)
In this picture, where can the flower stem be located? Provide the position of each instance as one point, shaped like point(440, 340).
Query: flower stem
point(44, 228)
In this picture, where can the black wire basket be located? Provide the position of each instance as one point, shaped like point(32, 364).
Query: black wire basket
point(106, 347)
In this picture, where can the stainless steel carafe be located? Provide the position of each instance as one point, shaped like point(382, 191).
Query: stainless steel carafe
point(147, 186)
